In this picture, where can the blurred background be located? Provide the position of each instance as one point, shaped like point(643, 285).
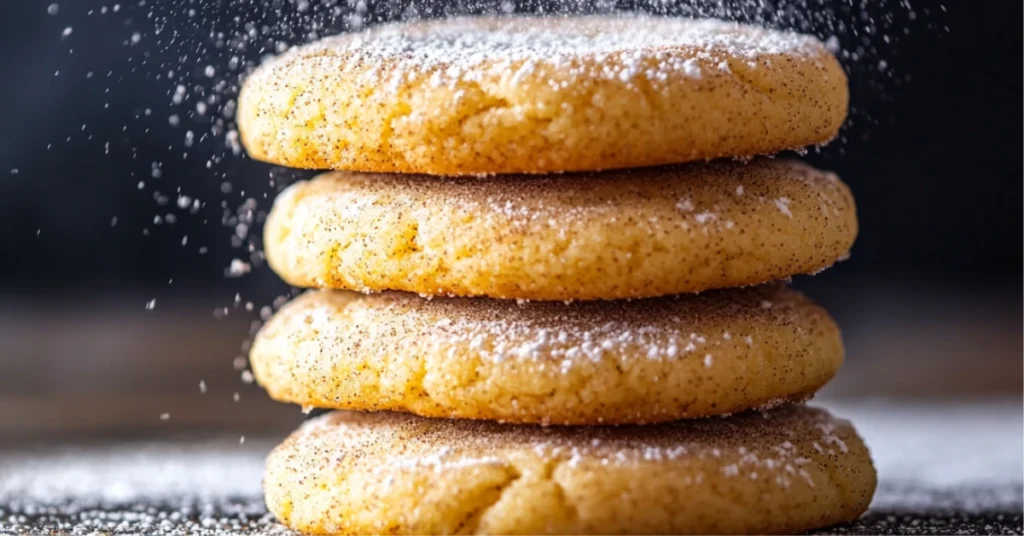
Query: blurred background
point(125, 207)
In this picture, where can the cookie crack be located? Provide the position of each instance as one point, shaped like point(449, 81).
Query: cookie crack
point(470, 523)
point(567, 505)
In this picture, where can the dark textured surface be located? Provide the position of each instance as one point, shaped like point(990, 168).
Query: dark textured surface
point(248, 516)
point(937, 523)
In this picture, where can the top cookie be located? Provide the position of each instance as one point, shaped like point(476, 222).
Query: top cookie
point(538, 95)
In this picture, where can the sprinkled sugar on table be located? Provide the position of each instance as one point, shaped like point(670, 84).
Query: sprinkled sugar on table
point(944, 469)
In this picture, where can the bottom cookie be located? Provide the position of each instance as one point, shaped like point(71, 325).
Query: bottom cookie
point(788, 470)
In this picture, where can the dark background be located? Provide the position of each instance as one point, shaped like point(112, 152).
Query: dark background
point(933, 153)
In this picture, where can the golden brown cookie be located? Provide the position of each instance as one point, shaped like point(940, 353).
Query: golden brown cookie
point(538, 95)
point(640, 361)
point(785, 471)
point(621, 234)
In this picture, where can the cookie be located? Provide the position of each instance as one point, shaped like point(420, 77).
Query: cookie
point(539, 95)
point(640, 361)
point(786, 471)
point(612, 235)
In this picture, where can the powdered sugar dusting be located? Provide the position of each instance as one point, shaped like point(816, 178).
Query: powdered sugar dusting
point(664, 329)
point(782, 204)
point(773, 445)
point(516, 49)
point(944, 445)
point(133, 473)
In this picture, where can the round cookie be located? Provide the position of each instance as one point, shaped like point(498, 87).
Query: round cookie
point(613, 235)
point(786, 471)
point(639, 361)
point(539, 95)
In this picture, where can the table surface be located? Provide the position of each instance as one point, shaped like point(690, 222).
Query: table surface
point(943, 469)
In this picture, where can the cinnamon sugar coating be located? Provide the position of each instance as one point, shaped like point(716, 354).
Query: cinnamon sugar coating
point(539, 95)
point(634, 362)
point(612, 235)
point(784, 471)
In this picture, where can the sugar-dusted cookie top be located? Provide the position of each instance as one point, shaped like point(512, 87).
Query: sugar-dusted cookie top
point(534, 95)
point(610, 362)
point(580, 236)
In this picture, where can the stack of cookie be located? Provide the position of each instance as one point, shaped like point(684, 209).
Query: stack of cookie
point(533, 344)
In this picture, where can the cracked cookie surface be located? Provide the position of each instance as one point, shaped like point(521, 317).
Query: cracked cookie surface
point(639, 361)
point(538, 95)
point(581, 236)
point(783, 471)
